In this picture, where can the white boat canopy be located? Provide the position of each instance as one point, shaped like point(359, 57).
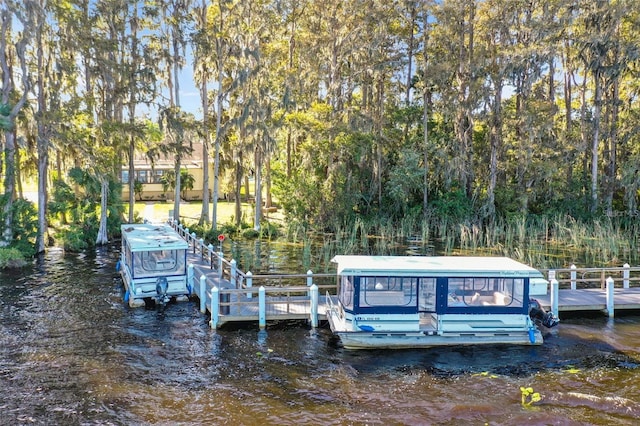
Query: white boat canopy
point(149, 237)
point(436, 266)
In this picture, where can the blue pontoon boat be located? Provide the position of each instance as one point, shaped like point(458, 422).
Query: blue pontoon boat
point(411, 302)
point(153, 264)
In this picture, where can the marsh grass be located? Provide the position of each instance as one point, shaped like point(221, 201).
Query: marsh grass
point(551, 241)
point(540, 241)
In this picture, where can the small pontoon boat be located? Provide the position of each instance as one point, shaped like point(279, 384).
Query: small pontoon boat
point(153, 264)
point(412, 302)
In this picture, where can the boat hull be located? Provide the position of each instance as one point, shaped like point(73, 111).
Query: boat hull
point(368, 340)
point(427, 339)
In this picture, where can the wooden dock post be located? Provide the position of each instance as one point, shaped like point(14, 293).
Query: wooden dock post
point(262, 308)
point(610, 303)
point(625, 275)
point(234, 273)
point(314, 306)
point(555, 289)
point(220, 264)
point(190, 285)
point(249, 284)
point(551, 275)
point(309, 280)
point(215, 307)
point(573, 277)
point(203, 293)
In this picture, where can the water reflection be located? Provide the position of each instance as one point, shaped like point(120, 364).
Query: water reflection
point(72, 353)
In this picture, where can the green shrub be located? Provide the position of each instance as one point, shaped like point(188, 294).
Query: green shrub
point(11, 258)
point(24, 225)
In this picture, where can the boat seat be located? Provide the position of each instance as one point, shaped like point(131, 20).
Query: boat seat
point(501, 299)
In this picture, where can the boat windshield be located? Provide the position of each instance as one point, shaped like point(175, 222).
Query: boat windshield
point(158, 263)
point(485, 292)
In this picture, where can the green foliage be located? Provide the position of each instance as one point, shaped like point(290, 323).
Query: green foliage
point(11, 258)
point(81, 209)
point(25, 225)
point(529, 397)
point(168, 181)
point(137, 189)
point(453, 205)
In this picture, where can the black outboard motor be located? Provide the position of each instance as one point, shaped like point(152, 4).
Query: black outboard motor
point(540, 316)
point(162, 298)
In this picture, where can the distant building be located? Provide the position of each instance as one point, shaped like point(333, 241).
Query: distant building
point(151, 177)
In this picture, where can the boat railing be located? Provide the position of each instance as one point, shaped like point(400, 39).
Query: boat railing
point(574, 277)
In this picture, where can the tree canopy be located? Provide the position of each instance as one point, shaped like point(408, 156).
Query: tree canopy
point(343, 109)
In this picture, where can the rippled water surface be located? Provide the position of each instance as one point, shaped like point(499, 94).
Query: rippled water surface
point(72, 353)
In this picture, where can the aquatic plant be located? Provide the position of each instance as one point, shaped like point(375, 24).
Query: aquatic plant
point(529, 397)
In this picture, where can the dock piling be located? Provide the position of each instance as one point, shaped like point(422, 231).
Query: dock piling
point(203, 293)
point(314, 306)
point(234, 273)
point(215, 306)
point(249, 284)
point(610, 303)
point(190, 284)
point(555, 289)
point(573, 276)
point(262, 308)
point(625, 275)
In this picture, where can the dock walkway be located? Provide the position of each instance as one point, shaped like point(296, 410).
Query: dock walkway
point(230, 295)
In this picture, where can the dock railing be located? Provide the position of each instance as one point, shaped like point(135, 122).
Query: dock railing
point(578, 278)
point(285, 296)
point(266, 303)
point(589, 279)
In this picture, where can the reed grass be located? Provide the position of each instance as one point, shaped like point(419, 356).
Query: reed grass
point(540, 241)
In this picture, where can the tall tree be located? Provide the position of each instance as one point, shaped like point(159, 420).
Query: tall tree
point(13, 54)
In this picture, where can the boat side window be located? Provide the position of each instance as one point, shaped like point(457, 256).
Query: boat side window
point(388, 291)
point(346, 292)
point(485, 292)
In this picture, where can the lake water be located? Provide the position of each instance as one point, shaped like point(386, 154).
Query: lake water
point(72, 353)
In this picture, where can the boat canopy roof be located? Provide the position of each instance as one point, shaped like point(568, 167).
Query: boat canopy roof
point(150, 237)
point(434, 266)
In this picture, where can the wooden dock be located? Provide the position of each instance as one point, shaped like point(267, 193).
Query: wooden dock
point(230, 295)
point(593, 299)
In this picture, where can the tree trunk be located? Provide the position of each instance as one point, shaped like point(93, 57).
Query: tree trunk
point(9, 191)
point(43, 163)
point(6, 93)
point(613, 145)
point(204, 215)
point(495, 136)
point(132, 111)
point(238, 185)
point(258, 183)
point(595, 140)
point(425, 119)
point(103, 237)
point(43, 145)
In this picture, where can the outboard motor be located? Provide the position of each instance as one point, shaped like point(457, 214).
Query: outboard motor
point(539, 316)
point(162, 298)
